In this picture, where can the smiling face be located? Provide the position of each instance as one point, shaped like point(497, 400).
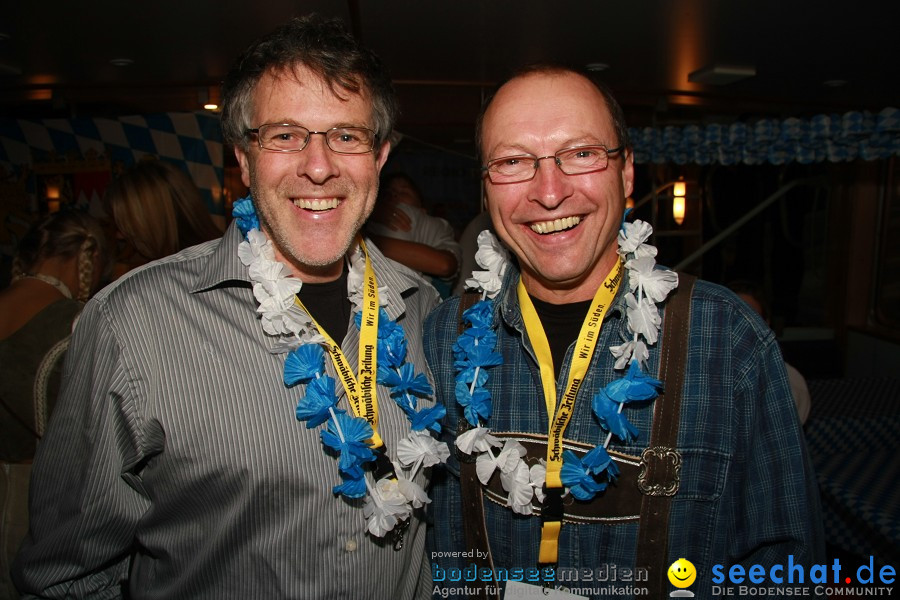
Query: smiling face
point(562, 228)
point(310, 203)
point(682, 573)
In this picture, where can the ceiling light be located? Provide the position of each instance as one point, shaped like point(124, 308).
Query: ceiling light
point(209, 98)
point(121, 62)
point(596, 67)
point(721, 74)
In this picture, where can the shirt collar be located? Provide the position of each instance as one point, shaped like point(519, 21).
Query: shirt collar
point(394, 281)
point(508, 299)
point(223, 264)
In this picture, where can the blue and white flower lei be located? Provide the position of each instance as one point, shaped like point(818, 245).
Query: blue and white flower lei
point(389, 501)
point(473, 352)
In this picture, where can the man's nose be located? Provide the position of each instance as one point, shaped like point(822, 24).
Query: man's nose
point(550, 186)
point(317, 159)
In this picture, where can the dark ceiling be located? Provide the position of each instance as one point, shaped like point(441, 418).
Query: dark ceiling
point(809, 56)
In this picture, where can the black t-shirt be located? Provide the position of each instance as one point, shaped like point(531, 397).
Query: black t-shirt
point(562, 324)
point(328, 305)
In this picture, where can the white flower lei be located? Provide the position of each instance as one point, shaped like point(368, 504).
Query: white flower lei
point(648, 287)
point(390, 501)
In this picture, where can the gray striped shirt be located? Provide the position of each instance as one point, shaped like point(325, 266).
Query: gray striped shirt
point(174, 460)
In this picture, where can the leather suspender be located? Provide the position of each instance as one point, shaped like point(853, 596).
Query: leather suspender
point(661, 462)
point(474, 527)
point(660, 468)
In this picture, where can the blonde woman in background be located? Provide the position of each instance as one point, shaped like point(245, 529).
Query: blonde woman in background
point(157, 210)
point(59, 263)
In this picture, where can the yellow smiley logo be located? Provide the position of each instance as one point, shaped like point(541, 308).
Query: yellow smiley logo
point(682, 573)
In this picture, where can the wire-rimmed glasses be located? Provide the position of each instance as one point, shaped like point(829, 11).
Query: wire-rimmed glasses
point(571, 161)
point(284, 137)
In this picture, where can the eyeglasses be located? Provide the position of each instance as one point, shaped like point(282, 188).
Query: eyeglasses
point(282, 137)
point(571, 161)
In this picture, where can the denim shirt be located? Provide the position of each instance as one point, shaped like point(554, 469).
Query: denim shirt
point(747, 493)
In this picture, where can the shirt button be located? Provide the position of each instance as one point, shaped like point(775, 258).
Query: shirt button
point(350, 546)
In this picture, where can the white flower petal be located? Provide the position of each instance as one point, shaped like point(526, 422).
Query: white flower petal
point(518, 484)
point(478, 439)
point(645, 250)
point(420, 445)
point(632, 235)
point(487, 281)
point(413, 492)
point(538, 475)
point(643, 318)
point(485, 465)
point(385, 506)
point(491, 254)
point(256, 247)
point(493, 258)
point(510, 456)
point(631, 350)
point(656, 283)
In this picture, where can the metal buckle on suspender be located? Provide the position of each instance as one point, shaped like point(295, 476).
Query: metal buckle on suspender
point(660, 473)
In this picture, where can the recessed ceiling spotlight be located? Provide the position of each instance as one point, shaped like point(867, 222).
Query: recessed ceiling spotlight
point(717, 74)
point(121, 62)
point(596, 66)
point(835, 83)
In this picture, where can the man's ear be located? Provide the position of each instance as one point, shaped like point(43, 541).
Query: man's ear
point(628, 174)
point(244, 161)
point(382, 155)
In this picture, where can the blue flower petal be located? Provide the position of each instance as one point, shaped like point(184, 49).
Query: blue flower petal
point(353, 487)
point(387, 327)
point(480, 314)
point(475, 336)
point(303, 364)
point(244, 214)
point(578, 479)
point(392, 351)
point(428, 418)
point(476, 405)
point(466, 373)
point(607, 411)
point(353, 449)
point(635, 386)
point(597, 461)
point(314, 407)
point(484, 356)
point(355, 429)
point(406, 382)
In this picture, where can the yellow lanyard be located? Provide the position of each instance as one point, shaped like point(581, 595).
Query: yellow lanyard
point(558, 418)
point(360, 388)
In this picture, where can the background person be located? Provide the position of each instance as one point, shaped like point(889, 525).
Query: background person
point(177, 464)
point(753, 295)
point(157, 211)
point(428, 244)
point(58, 264)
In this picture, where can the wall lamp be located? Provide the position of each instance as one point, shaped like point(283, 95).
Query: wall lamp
point(678, 192)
